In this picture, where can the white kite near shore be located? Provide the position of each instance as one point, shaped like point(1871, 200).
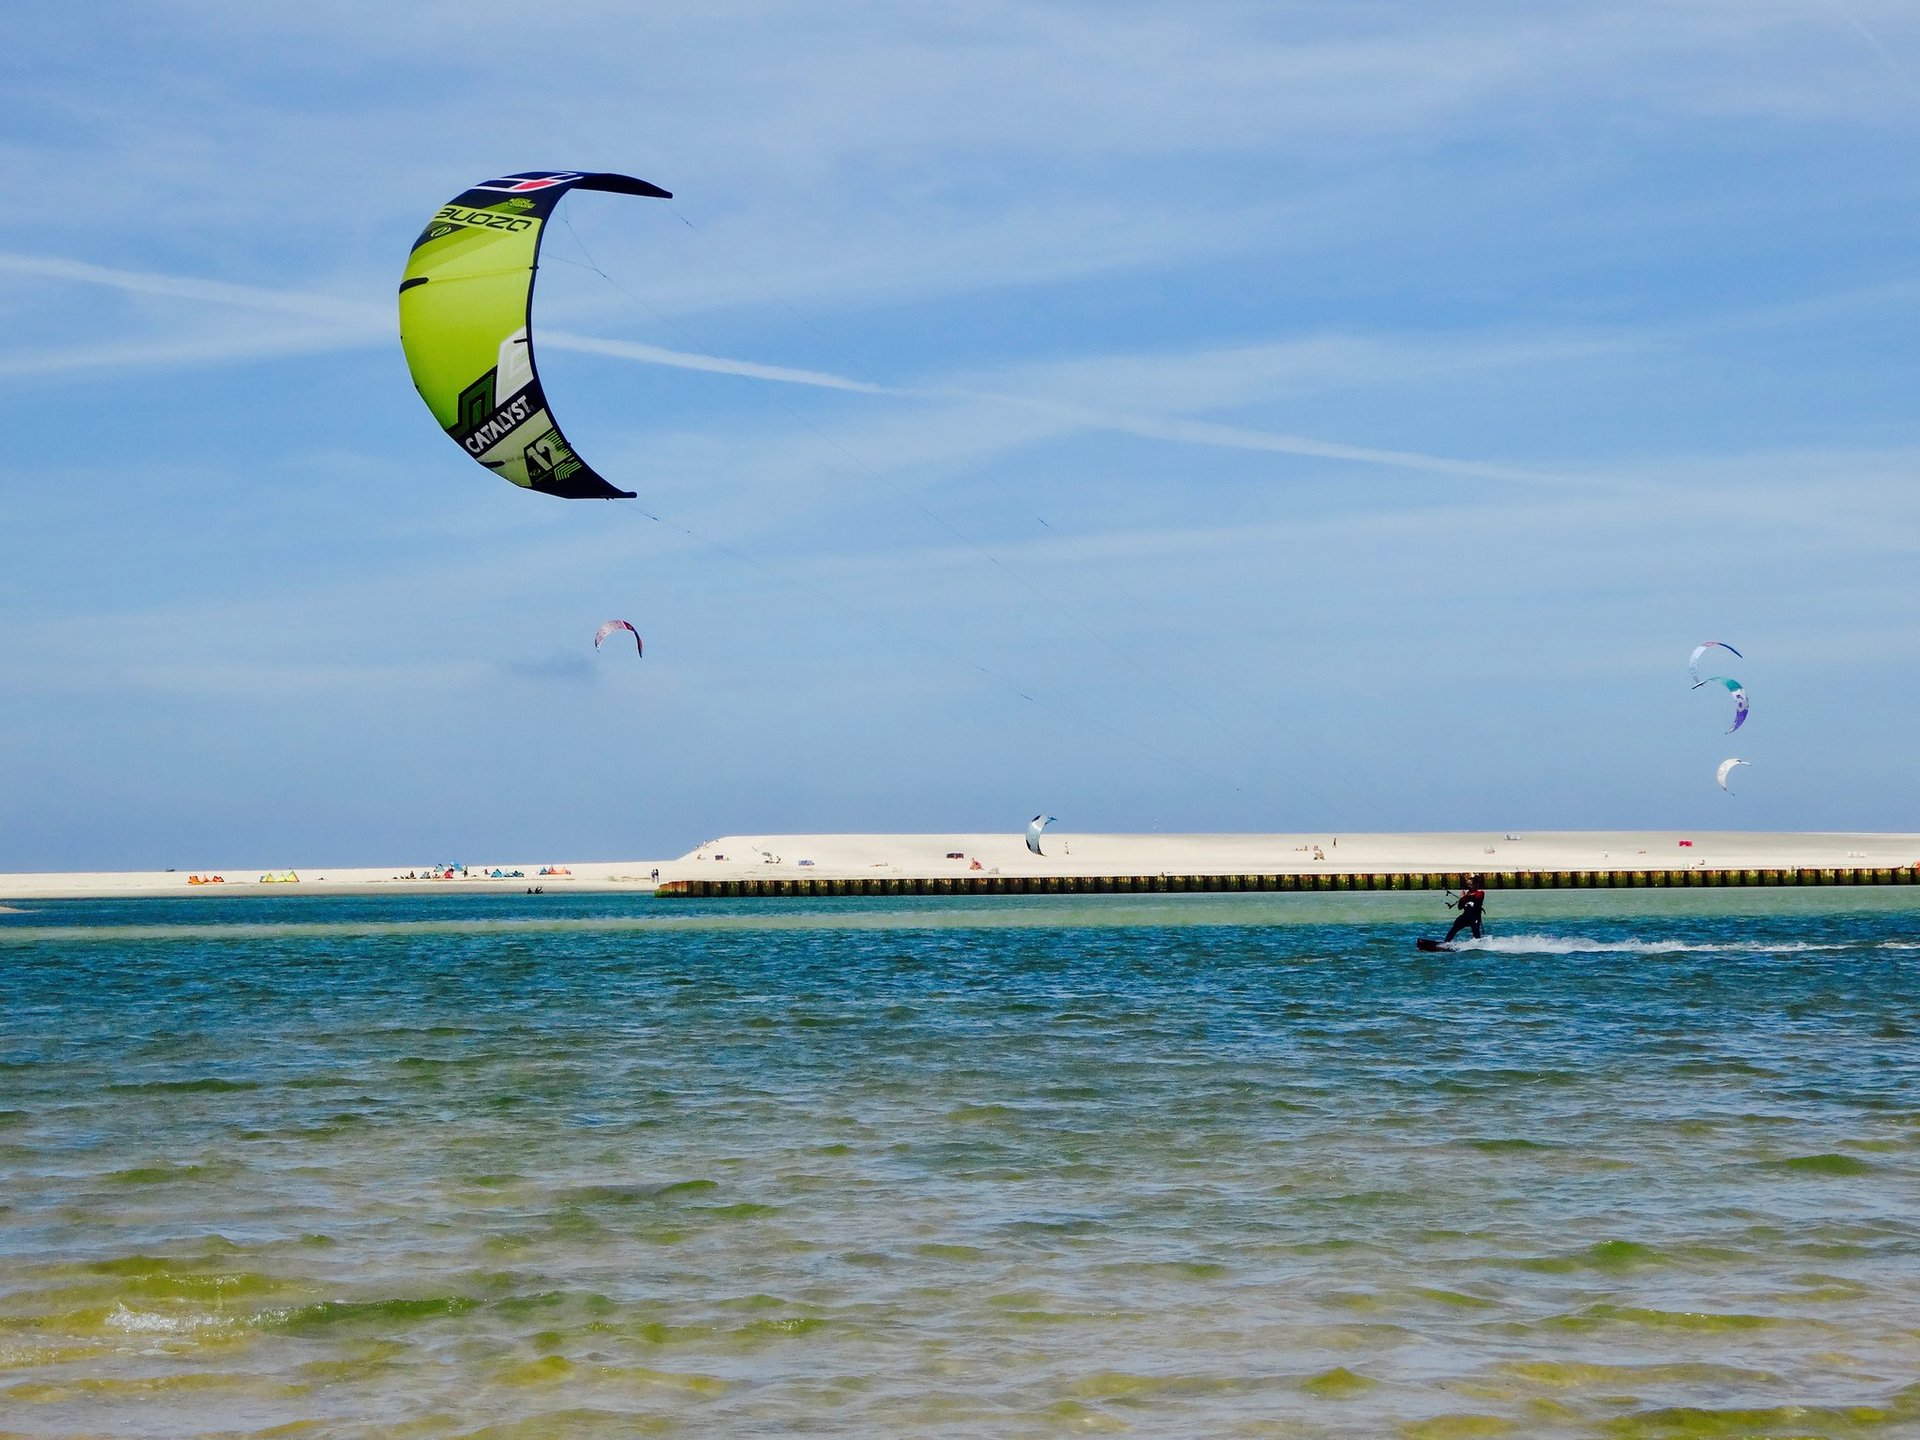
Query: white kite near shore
point(1034, 827)
point(1726, 769)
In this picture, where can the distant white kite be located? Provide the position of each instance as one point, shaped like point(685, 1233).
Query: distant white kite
point(1034, 827)
point(1726, 769)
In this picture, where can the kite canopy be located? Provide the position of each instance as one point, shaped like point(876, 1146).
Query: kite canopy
point(466, 302)
point(613, 625)
point(1726, 769)
point(1693, 661)
point(1034, 827)
point(1739, 693)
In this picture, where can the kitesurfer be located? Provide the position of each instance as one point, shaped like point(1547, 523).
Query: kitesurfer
point(1471, 904)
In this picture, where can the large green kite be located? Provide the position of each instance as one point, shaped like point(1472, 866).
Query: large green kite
point(466, 303)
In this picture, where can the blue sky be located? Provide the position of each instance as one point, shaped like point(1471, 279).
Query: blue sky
point(1317, 416)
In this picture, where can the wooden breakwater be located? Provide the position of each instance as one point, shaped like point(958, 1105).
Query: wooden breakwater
point(783, 887)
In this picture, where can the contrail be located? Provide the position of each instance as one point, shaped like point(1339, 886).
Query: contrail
point(712, 364)
point(1886, 56)
point(219, 292)
point(1242, 437)
point(361, 322)
point(275, 343)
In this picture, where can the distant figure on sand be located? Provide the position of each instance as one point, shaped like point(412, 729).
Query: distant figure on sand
point(1472, 905)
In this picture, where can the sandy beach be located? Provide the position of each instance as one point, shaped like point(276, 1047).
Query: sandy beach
point(516, 877)
point(930, 856)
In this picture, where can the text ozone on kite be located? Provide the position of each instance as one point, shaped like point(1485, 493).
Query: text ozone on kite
point(612, 625)
point(1726, 769)
point(466, 309)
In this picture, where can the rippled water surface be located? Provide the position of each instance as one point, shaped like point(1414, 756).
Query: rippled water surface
point(1641, 1165)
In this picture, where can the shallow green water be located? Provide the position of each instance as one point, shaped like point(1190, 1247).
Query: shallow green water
point(1645, 1164)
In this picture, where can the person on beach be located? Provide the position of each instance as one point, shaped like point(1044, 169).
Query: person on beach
point(1472, 906)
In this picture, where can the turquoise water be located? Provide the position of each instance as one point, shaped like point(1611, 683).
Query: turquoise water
point(1644, 1165)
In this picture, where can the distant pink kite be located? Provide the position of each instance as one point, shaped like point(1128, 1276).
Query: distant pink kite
point(613, 625)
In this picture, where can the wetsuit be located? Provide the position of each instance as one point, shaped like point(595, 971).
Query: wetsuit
point(1470, 905)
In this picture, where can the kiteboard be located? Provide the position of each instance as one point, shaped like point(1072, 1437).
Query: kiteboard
point(1431, 945)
